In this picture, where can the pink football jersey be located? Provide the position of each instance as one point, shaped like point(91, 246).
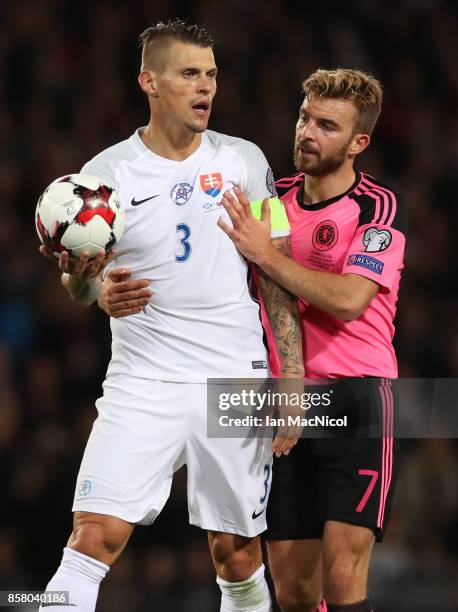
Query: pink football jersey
point(360, 232)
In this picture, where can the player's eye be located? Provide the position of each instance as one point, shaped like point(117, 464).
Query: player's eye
point(327, 126)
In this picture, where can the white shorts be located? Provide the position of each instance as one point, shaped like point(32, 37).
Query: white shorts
point(145, 431)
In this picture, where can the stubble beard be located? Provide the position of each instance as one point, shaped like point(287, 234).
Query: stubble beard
point(320, 166)
point(196, 129)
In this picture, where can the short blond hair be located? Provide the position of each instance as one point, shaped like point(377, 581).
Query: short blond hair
point(362, 88)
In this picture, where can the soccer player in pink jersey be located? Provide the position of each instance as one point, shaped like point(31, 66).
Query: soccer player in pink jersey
point(331, 497)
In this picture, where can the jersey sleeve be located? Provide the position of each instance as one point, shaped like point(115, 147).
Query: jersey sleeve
point(259, 180)
point(102, 168)
point(377, 249)
point(260, 184)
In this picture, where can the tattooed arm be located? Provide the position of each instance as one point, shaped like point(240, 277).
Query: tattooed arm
point(284, 318)
point(281, 309)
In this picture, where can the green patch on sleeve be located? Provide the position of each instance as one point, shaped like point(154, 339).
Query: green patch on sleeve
point(278, 218)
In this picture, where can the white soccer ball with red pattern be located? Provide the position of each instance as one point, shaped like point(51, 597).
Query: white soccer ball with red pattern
point(77, 213)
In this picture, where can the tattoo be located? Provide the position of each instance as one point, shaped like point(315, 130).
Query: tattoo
point(82, 290)
point(281, 308)
point(79, 288)
point(283, 245)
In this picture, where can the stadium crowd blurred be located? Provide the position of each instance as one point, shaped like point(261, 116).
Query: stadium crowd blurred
point(68, 90)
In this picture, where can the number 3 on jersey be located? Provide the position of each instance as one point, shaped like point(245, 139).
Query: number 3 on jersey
point(183, 231)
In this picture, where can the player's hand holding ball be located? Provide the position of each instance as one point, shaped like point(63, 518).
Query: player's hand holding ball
point(84, 267)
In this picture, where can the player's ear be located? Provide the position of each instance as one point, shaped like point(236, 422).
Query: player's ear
point(147, 80)
point(359, 143)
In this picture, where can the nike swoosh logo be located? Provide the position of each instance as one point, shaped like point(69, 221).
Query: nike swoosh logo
point(256, 514)
point(135, 202)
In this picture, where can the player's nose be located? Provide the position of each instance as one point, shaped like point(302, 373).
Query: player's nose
point(305, 132)
point(204, 85)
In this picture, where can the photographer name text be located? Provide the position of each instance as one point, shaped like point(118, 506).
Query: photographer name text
point(289, 421)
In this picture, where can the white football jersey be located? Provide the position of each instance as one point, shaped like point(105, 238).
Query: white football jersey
point(201, 321)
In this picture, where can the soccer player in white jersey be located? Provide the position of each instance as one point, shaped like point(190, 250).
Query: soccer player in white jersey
point(200, 322)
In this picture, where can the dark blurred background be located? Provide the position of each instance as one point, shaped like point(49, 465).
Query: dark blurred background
point(68, 90)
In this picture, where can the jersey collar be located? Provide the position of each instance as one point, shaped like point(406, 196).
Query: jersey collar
point(140, 146)
point(324, 203)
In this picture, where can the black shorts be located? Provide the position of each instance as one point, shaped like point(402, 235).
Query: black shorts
point(348, 475)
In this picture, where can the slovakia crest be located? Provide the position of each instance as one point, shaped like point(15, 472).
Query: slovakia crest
point(211, 183)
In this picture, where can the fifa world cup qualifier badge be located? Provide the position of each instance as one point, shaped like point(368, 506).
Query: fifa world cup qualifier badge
point(270, 182)
point(376, 240)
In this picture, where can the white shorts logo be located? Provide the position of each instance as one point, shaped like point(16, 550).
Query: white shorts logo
point(375, 240)
point(85, 488)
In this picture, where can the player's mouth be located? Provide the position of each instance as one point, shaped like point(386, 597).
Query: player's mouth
point(202, 108)
point(306, 151)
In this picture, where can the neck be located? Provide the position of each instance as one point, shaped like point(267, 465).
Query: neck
point(171, 142)
point(321, 188)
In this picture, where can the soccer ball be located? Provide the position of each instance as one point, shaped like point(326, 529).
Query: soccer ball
point(77, 213)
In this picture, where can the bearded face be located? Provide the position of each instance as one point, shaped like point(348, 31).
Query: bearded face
point(324, 135)
point(312, 161)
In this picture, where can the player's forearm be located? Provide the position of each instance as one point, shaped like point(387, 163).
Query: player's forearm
point(284, 320)
point(84, 291)
point(332, 293)
point(281, 308)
